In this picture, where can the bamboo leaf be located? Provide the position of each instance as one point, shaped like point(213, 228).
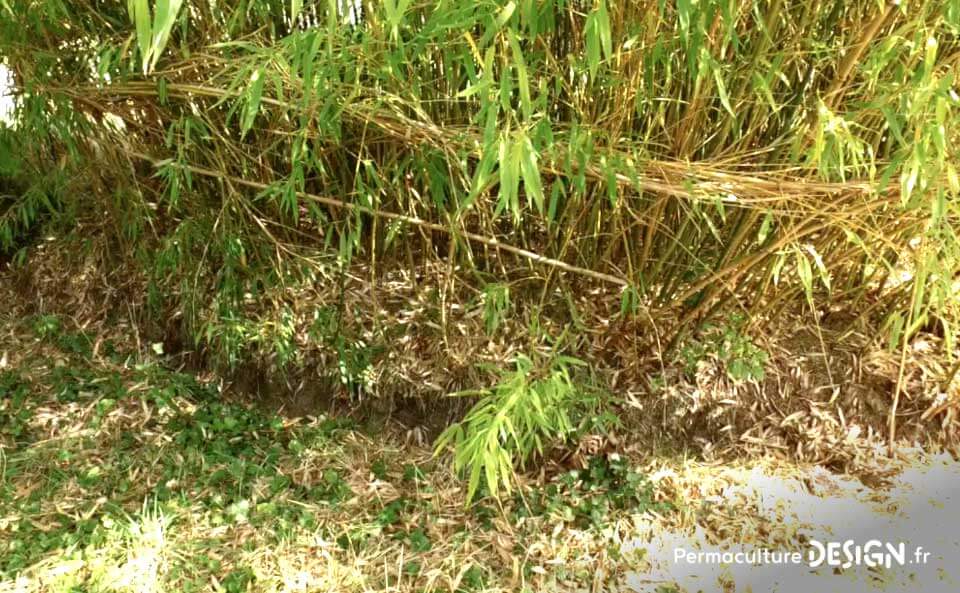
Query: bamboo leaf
point(805, 272)
point(531, 173)
point(509, 176)
point(591, 34)
point(491, 465)
point(164, 19)
point(722, 91)
point(505, 13)
point(895, 325)
point(523, 81)
point(141, 17)
point(764, 231)
point(821, 268)
point(603, 29)
point(474, 482)
point(252, 106)
point(953, 180)
point(555, 191)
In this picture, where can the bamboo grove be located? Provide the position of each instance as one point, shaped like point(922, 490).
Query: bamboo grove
point(697, 156)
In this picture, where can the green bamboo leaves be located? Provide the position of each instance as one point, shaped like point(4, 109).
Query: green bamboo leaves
point(530, 172)
point(805, 270)
point(597, 37)
point(509, 177)
point(395, 11)
point(523, 79)
point(153, 31)
point(251, 106)
point(518, 160)
point(512, 421)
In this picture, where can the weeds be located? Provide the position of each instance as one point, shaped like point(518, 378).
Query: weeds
point(590, 497)
point(496, 306)
point(740, 357)
point(15, 414)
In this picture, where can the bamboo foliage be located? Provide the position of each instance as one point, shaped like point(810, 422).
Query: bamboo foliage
point(153, 30)
point(698, 154)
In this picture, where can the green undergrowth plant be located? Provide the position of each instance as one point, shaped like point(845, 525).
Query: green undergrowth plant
point(189, 451)
point(528, 410)
point(15, 413)
point(496, 305)
point(727, 343)
point(589, 497)
point(22, 204)
point(50, 327)
point(132, 476)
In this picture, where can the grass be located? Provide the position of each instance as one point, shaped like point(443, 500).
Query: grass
point(122, 476)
